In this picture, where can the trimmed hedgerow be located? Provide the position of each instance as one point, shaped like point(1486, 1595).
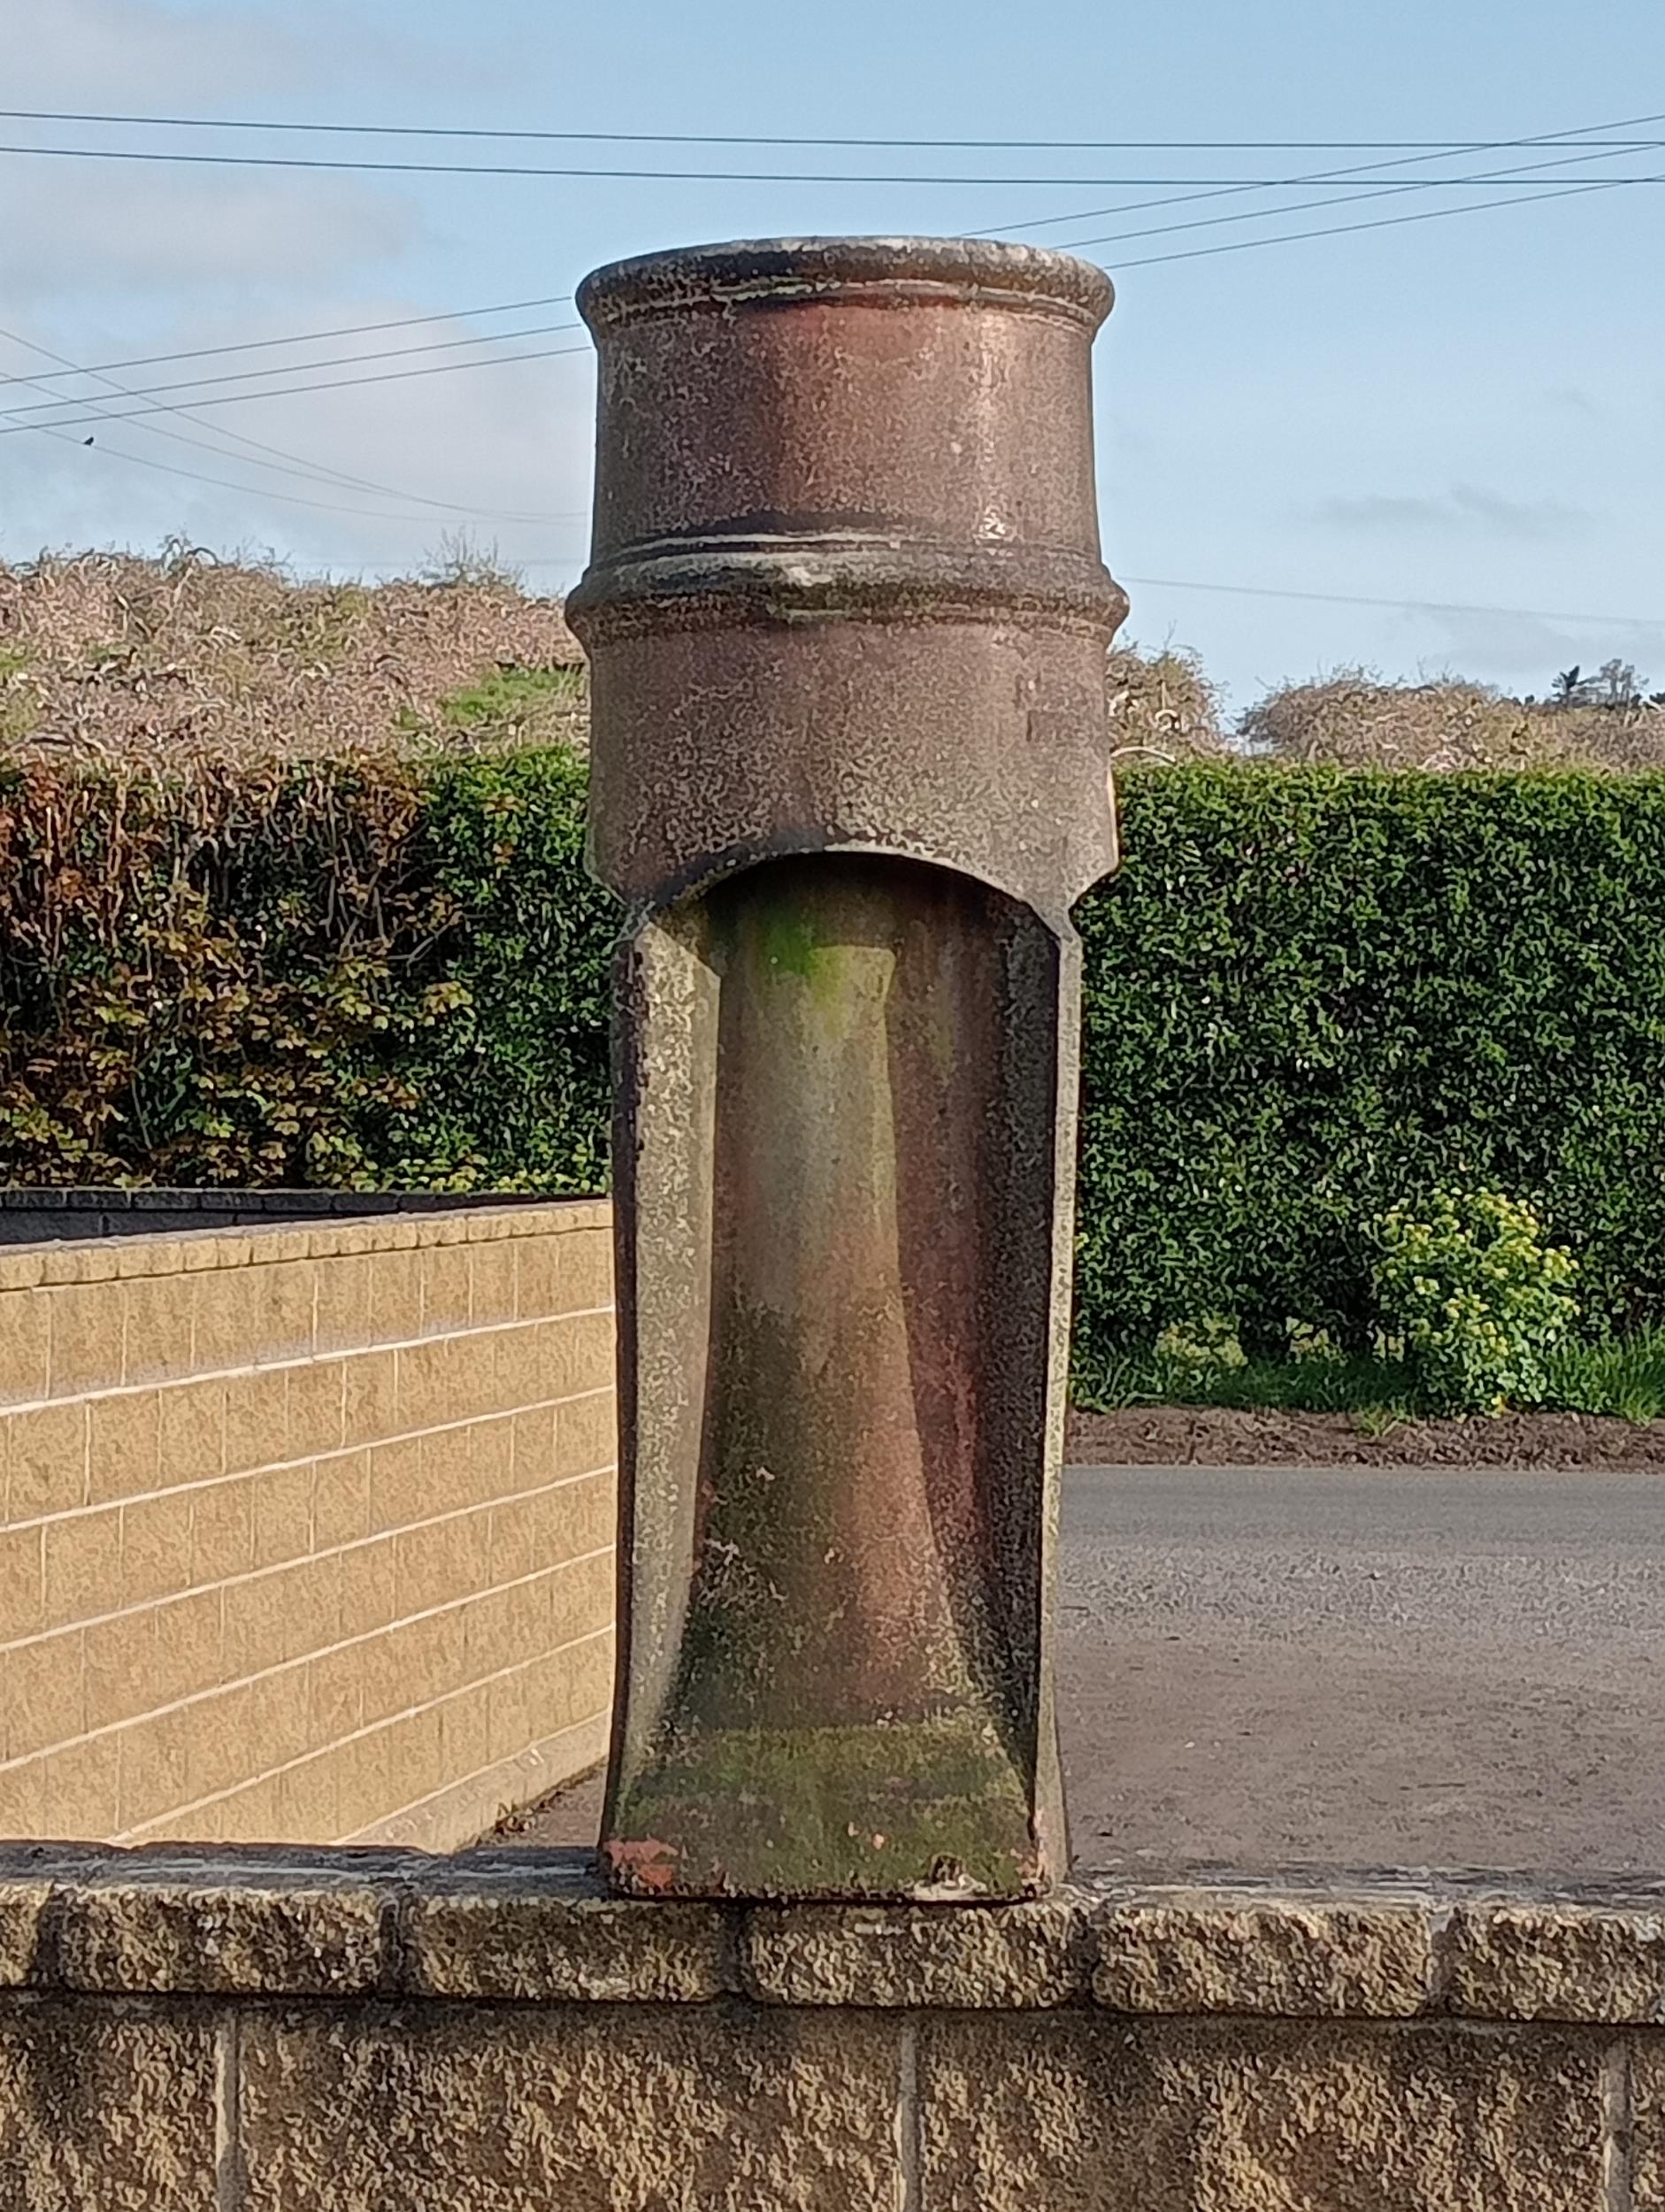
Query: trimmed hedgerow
point(364, 972)
point(1311, 996)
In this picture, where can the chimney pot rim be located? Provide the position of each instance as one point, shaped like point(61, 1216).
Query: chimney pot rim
point(881, 272)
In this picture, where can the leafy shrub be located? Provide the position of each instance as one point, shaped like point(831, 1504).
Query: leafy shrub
point(364, 973)
point(1312, 995)
point(1479, 1301)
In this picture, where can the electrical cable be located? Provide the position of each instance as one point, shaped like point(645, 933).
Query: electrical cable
point(305, 471)
point(1308, 207)
point(333, 361)
point(311, 337)
point(289, 391)
point(707, 138)
point(1368, 170)
point(1355, 599)
point(673, 176)
point(1382, 222)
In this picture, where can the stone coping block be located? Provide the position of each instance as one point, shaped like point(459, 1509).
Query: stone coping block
point(254, 1244)
point(517, 1924)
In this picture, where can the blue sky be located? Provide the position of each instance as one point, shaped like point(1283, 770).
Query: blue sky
point(1465, 410)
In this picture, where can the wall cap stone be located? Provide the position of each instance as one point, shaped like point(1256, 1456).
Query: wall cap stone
point(73, 1260)
point(22, 1904)
point(518, 1924)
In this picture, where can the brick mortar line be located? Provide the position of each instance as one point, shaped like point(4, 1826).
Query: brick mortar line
point(1618, 2176)
point(909, 2146)
point(305, 1459)
point(103, 1391)
point(307, 1658)
point(128, 1836)
point(476, 1774)
point(300, 1559)
point(548, 1217)
point(228, 2160)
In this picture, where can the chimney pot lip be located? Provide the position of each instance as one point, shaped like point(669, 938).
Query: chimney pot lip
point(879, 271)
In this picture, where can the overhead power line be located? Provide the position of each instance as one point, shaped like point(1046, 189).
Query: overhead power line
point(1575, 139)
point(332, 361)
point(311, 337)
point(1381, 222)
point(713, 138)
point(563, 299)
point(223, 483)
point(665, 176)
point(1353, 198)
point(1321, 598)
point(1583, 134)
point(289, 391)
point(282, 462)
point(1241, 245)
point(1400, 606)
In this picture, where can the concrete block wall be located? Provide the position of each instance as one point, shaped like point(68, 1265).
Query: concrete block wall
point(306, 1532)
point(376, 2032)
point(37, 1213)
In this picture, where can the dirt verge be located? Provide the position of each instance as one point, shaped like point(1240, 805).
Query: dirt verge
point(1219, 1436)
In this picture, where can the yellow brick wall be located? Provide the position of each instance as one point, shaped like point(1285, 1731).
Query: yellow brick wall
point(306, 1534)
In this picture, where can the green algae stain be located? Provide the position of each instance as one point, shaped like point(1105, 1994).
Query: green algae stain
point(875, 1810)
point(787, 937)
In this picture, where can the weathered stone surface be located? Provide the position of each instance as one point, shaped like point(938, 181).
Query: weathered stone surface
point(968, 1956)
point(823, 652)
point(1060, 2111)
point(289, 1938)
point(513, 1941)
point(587, 2108)
point(1527, 1961)
point(21, 1905)
point(1280, 1956)
point(103, 2110)
point(1636, 2073)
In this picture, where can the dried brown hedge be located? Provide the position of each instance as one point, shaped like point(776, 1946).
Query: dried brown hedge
point(1351, 719)
point(110, 655)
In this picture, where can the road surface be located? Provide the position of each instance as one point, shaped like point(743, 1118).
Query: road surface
point(1276, 1667)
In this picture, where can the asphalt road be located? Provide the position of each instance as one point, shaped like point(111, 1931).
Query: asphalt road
point(1364, 1667)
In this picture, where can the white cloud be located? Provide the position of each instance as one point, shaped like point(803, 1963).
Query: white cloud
point(73, 228)
point(1525, 650)
point(103, 260)
point(1465, 507)
point(494, 443)
point(91, 54)
point(128, 55)
point(68, 232)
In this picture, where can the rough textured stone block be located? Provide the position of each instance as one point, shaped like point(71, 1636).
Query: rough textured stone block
point(561, 1942)
point(951, 1955)
point(1637, 2073)
point(1101, 2116)
point(21, 1904)
point(290, 1936)
point(1546, 1961)
point(592, 2108)
point(105, 2111)
point(1277, 1957)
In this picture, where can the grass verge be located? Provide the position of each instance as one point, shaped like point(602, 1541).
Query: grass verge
point(1624, 1377)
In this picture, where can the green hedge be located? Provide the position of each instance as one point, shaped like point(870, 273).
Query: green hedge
point(1313, 994)
point(368, 974)
point(1310, 996)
